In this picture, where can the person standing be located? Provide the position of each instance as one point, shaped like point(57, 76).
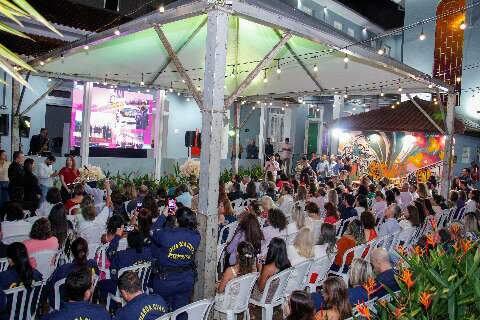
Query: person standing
point(322, 169)
point(272, 166)
point(252, 150)
point(268, 149)
point(287, 155)
point(4, 164)
point(46, 175)
point(68, 175)
point(39, 142)
point(16, 177)
point(31, 189)
point(314, 161)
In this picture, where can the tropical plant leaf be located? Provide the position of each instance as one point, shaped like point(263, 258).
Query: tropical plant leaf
point(13, 8)
point(7, 28)
point(8, 13)
point(14, 74)
point(9, 55)
point(24, 5)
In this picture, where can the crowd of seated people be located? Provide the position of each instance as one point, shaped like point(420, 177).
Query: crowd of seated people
point(281, 222)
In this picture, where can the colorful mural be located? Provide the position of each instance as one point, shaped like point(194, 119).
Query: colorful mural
point(391, 154)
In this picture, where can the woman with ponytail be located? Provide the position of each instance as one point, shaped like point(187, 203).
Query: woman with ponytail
point(245, 265)
point(79, 249)
point(20, 271)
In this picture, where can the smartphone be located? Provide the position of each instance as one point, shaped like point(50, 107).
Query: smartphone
point(129, 228)
point(139, 205)
point(172, 205)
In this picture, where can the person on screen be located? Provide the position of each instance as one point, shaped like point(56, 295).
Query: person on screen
point(142, 118)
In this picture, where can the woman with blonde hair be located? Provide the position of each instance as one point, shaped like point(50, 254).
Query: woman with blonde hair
point(302, 193)
point(302, 247)
point(267, 204)
point(129, 191)
point(422, 190)
point(299, 220)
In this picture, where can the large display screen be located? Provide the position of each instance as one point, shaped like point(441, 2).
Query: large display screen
point(119, 119)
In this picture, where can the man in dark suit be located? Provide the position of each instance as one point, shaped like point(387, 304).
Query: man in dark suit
point(38, 142)
point(385, 273)
point(16, 176)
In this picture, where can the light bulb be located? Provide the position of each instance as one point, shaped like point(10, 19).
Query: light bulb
point(161, 9)
point(346, 59)
point(117, 32)
point(279, 70)
point(271, 103)
point(315, 68)
point(283, 109)
point(105, 83)
point(382, 94)
point(142, 83)
point(430, 86)
point(381, 51)
point(188, 99)
point(400, 89)
point(265, 80)
point(253, 108)
point(178, 93)
point(171, 89)
point(42, 63)
point(422, 36)
point(345, 96)
point(49, 79)
point(148, 90)
point(86, 47)
point(463, 26)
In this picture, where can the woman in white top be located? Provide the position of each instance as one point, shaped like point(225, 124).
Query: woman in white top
point(4, 164)
point(474, 199)
point(276, 228)
point(361, 204)
point(319, 198)
point(409, 223)
point(302, 248)
point(272, 166)
point(52, 199)
point(299, 220)
point(327, 243)
point(379, 205)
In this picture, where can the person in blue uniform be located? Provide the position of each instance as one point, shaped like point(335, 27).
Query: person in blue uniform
point(79, 249)
point(139, 305)
point(135, 254)
point(174, 274)
point(78, 289)
point(19, 273)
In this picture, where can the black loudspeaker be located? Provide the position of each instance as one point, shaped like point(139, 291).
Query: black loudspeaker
point(24, 127)
point(190, 139)
point(4, 125)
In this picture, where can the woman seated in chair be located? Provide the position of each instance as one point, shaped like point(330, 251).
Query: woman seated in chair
point(245, 265)
point(14, 224)
point(275, 262)
point(19, 273)
point(336, 303)
point(78, 193)
point(354, 236)
point(41, 239)
point(79, 249)
point(135, 254)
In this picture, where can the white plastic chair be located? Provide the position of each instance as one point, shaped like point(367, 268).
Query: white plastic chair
point(277, 298)
point(45, 260)
point(92, 235)
point(344, 225)
point(101, 259)
point(166, 316)
point(143, 272)
point(236, 296)
point(195, 311)
point(291, 238)
point(230, 229)
point(16, 238)
point(57, 293)
point(3, 264)
point(220, 259)
point(24, 301)
point(357, 253)
point(238, 206)
point(298, 277)
point(321, 267)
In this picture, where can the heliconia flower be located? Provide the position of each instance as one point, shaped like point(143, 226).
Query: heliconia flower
point(406, 277)
point(418, 251)
point(364, 311)
point(455, 229)
point(431, 240)
point(401, 250)
point(399, 312)
point(456, 247)
point(425, 299)
point(433, 223)
point(466, 245)
point(370, 286)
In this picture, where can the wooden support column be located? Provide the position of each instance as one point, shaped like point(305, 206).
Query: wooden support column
point(236, 141)
point(212, 126)
point(85, 130)
point(448, 160)
point(320, 134)
point(158, 141)
point(425, 114)
point(261, 135)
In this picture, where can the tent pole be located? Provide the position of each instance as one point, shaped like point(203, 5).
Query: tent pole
point(338, 106)
point(183, 45)
point(260, 66)
point(449, 144)
point(179, 66)
point(212, 128)
point(425, 114)
point(158, 142)
point(86, 115)
point(236, 141)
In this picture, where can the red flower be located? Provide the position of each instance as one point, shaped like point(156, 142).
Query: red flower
point(399, 312)
point(425, 299)
point(406, 277)
point(370, 287)
point(364, 311)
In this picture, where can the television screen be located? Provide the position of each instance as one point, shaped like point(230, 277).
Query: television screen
point(119, 119)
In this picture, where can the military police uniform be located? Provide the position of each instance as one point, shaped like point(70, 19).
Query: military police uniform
point(143, 307)
point(79, 310)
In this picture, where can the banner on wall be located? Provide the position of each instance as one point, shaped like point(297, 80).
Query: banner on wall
point(119, 119)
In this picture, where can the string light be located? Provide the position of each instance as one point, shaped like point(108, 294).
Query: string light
point(430, 86)
point(178, 93)
point(188, 99)
point(278, 67)
point(148, 90)
point(105, 81)
point(393, 106)
point(283, 109)
point(315, 68)
point(422, 36)
point(42, 63)
point(381, 92)
point(86, 47)
point(271, 103)
point(117, 32)
point(233, 72)
point(265, 79)
point(346, 59)
point(49, 79)
point(381, 51)
point(286, 104)
point(346, 93)
point(161, 8)
point(463, 25)
point(142, 83)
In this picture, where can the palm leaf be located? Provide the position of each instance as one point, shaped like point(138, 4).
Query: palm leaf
point(14, 74)
point(13, 8)
point(34, 14)
point(9, 55)
point(8, 13)
point(7, 28)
